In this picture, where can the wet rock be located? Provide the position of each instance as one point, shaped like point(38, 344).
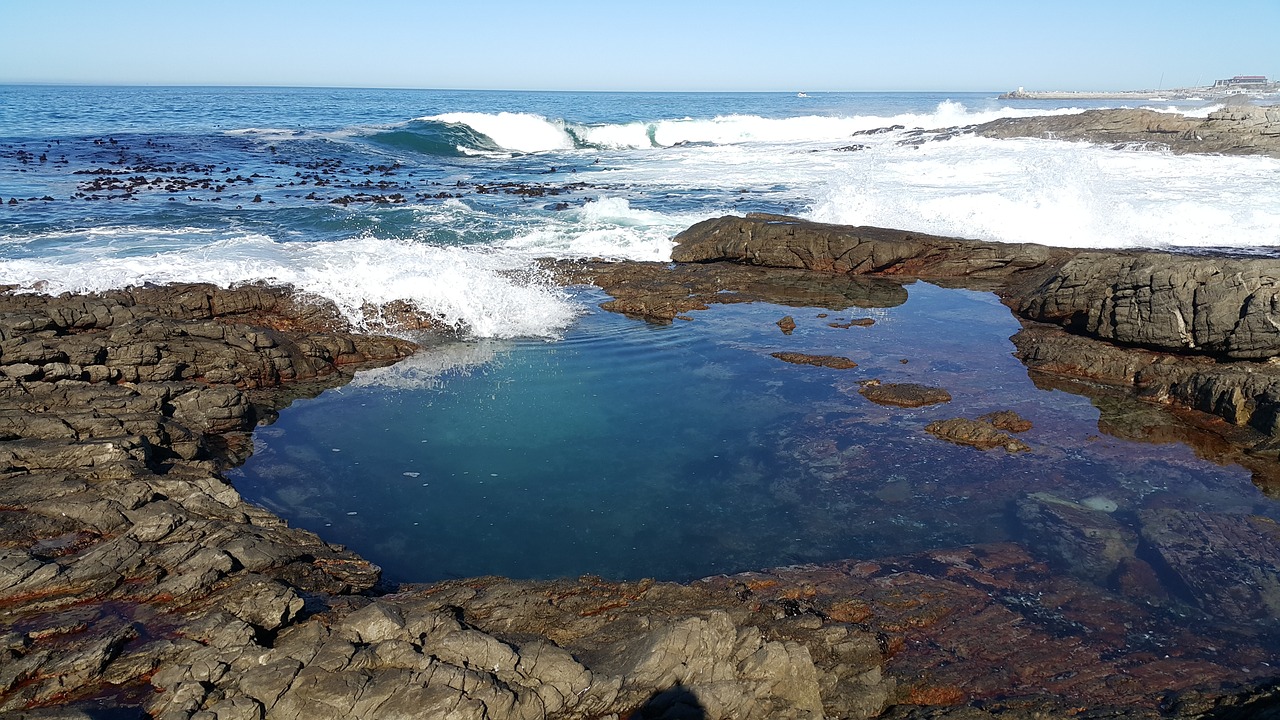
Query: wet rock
point(975, 433)
point(1244, 394)
point(858, 322)
point(1089, 543)
point(907, 395)
point(1239, 579)
point(834, 362)
point(109, 497)
point(1218, 306)
point(787, 325)
point(245, 616)
point(1007, 420)
point(785, 242)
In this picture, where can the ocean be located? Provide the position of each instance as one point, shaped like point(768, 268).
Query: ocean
point(554, 439)
point(444, 197)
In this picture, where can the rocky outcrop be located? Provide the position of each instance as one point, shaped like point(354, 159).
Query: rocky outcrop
point(122, 548)
point(493, 648)
point(132, 573)
point(779, 241)
point(1245, 394)
point(1217, 306)
point(1225, 307)
point(133, 576)
point(1237, 129)
point(975, 433)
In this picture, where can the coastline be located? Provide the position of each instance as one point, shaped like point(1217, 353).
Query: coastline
point(1208, 93)
point(135, 576)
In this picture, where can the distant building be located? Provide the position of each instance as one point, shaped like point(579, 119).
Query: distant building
point(1242, 80)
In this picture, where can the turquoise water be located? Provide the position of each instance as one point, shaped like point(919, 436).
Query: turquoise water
point(629, 450)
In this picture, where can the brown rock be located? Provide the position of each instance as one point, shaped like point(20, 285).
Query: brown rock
point(1007, 420)
point(859, 322)
point(975, 433)
point(786, 242)
point(834, 362)
point(787, 324)
point(903, 394)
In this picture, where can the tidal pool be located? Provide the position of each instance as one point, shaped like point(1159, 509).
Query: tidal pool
point(631, 450)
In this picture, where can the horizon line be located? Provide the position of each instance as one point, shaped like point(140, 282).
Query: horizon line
point(46, 83)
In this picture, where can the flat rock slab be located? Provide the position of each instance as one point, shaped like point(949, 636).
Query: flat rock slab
point(858, 322)
point(835, 362)
point(907, 395)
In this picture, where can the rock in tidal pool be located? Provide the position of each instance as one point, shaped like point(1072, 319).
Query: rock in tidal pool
point(859, 322)
point(1099, 502)
point(834, 362)
point(907, 395)
point(975, 433)
point(787, 324)
point(1008, 421)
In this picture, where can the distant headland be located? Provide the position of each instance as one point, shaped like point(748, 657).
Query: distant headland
point(1245, 85)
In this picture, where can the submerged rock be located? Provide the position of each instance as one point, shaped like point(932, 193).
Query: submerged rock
point(1088, 542)
point(858, 322)
point(1239, 579)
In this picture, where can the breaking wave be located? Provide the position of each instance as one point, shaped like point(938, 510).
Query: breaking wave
point(530, 133)
point(480, 292)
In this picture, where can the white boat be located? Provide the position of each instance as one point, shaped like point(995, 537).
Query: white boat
point(800, 94)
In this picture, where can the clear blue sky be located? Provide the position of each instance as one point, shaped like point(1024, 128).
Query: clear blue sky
point(814, 45)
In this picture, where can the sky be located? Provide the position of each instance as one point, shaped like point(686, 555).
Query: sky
point(653, 45)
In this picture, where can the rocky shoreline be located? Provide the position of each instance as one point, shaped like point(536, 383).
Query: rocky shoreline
point(134, 581)
point(1237, 129)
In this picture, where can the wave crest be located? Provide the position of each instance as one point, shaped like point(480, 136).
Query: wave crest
point(530, 133)
point(480, 292)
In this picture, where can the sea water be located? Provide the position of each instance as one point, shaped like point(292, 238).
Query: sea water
point(630, 450)
point(240, 184)
point(554, 439)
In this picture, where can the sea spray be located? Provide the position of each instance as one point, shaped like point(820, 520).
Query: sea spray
point(478, 291)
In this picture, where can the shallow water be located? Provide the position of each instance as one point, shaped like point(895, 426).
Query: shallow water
point(630, 450)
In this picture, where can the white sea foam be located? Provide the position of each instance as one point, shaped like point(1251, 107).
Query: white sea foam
point(1059, 193)
point(607, 228)
point(523, 132)
point(429, 366)
point(482, 292)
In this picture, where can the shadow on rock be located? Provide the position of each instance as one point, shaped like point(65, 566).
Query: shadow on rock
point(674, 703)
